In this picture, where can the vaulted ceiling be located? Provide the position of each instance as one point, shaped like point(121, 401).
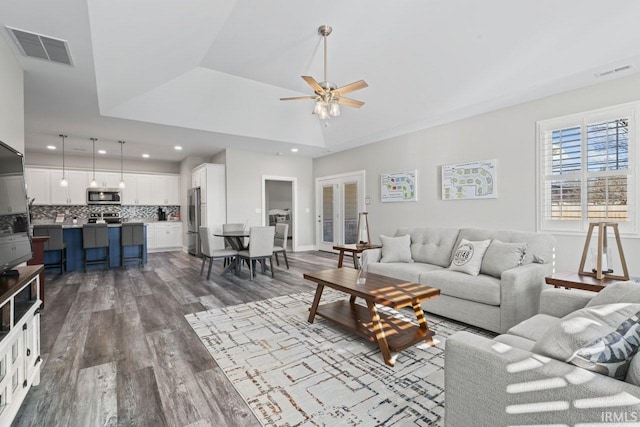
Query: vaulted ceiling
point(208, 74)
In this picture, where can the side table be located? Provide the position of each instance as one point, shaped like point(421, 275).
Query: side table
point(570, 279)
point(355, 249)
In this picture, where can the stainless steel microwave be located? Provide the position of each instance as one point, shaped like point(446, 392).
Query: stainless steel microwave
point(104, 196)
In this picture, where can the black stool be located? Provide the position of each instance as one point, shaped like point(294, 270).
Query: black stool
point(132, 234)
point(95, 236)
point(55, 243)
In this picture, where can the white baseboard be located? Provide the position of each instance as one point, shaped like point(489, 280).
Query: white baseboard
point(307, 248)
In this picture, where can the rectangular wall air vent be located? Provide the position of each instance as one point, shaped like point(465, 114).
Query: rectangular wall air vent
point(614, 70)
point(42, 47)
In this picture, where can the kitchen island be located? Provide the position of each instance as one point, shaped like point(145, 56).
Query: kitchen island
point(72, 235)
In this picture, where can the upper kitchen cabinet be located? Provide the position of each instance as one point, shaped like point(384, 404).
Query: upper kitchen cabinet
point(171, 186)
point(11, 195)
point(108, 179)
point(76, 191)
point(151, 190)
point(38, 185)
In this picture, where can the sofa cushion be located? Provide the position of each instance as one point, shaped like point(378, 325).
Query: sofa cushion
point(633, 374)
point(431, 245)
point(402, 271)
point(482, 288)
point(501, 256)
point(539, 245)
point(534, 327)
point(515, 341)
point(601, 338)
point(396, 249)
point(624, 292)
point(467, 258)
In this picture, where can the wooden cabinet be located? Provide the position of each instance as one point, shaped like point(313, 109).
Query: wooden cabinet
point(20, 360)
point(108, 179)
point(12, 195)
point(38, 185)
point(163, 236)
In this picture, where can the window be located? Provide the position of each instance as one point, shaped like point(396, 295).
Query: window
point(587, 170)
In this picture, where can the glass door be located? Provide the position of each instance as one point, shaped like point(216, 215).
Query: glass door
point(339, 200)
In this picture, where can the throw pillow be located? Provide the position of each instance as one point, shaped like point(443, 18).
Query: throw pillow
point(467, 258)
point(396, 249)
point(628, 292)
point(633, 374)
point(501, 256)
point(602, 339)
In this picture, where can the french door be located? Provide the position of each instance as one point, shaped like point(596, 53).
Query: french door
point(339, 199)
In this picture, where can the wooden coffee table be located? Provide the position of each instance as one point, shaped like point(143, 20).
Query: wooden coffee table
point(391, 334)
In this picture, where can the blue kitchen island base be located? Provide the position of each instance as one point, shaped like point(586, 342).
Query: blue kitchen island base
point(73, 239)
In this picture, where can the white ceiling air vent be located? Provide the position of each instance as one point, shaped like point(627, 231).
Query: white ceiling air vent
point(42, 47)
point(614, 70)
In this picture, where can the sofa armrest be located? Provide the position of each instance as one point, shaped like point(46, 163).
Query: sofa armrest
point(521, 288)
point(370, 256)
point(493, 384)
point(560, 302)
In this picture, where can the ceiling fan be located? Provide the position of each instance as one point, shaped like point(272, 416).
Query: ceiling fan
point(329, 96)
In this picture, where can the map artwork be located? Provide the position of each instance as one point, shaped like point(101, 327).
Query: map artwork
point(473, 180)
point(398, 187)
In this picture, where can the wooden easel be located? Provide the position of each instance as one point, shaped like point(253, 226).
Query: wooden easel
point(602, 245)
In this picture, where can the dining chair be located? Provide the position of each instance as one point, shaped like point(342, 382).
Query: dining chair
point(260, 249)
point(206, 245)
point(55, 243)
point(280, 243)
point(228, 242)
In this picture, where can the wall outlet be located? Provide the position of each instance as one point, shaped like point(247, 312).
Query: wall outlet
point(307, 210)
point(258, 210)
point(367, 200)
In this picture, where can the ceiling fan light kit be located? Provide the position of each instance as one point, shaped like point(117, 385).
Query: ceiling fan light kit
point(328, 96)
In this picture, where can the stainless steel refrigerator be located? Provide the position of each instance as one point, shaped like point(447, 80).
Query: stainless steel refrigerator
point(194, 221)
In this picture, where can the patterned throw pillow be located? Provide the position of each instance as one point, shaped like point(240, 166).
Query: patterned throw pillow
point(612, 354)
point(468, 256)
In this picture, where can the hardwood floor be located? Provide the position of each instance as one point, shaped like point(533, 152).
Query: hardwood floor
point(118, 351)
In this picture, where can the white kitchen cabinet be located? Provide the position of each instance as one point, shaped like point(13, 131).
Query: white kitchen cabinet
point(12, 196)
point(138, 190)
point(20, 359)
point(108, 179)
point(171, 190)
point(76, 191)
point(211, 179)
point(164, 236)
point(38, 185)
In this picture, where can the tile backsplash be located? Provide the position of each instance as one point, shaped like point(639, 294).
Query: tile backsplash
point(39, 213)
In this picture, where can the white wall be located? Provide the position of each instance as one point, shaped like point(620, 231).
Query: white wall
point(54, 159)
point(244, 189)
point(507, 135)
point(11, 99)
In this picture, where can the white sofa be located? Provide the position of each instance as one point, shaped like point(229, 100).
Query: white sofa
point(492, 303)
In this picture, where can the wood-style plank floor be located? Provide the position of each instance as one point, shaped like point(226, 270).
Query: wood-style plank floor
point(118, 351)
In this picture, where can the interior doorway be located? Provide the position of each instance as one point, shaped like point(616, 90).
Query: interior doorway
point(339, 199)
point(279, 205)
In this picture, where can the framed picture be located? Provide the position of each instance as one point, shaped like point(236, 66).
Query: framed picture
point(399, 187)
point(471, 180)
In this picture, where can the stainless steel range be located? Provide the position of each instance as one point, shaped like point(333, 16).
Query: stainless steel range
point(105, 217)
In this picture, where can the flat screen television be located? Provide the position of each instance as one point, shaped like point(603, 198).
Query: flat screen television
point(15, 239)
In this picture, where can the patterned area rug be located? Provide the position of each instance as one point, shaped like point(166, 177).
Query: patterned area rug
point(291, 372)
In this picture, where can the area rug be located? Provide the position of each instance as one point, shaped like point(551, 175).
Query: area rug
point(291, 372)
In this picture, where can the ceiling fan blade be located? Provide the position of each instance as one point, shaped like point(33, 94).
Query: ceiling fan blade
point(298, 97)
point(350, 102)
point(314, 84)
point(351, 87)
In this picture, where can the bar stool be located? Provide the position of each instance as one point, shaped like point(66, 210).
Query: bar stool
point(95, 236)
point(132, 234)
point(55, 243)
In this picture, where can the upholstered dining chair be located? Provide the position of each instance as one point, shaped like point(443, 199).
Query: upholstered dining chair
point(228, 242)
point(280, 243)
point(209, 253)
point(260, 249)
point(55, 243)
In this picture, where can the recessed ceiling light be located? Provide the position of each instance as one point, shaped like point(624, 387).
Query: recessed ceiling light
point(51, 147)
point(102, 152)
point(177, 148)
point(145, 155)
point(294, 150)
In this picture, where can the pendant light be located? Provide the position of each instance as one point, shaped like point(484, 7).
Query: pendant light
point(93, 182)
point(122, 185)
point(63, 180)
